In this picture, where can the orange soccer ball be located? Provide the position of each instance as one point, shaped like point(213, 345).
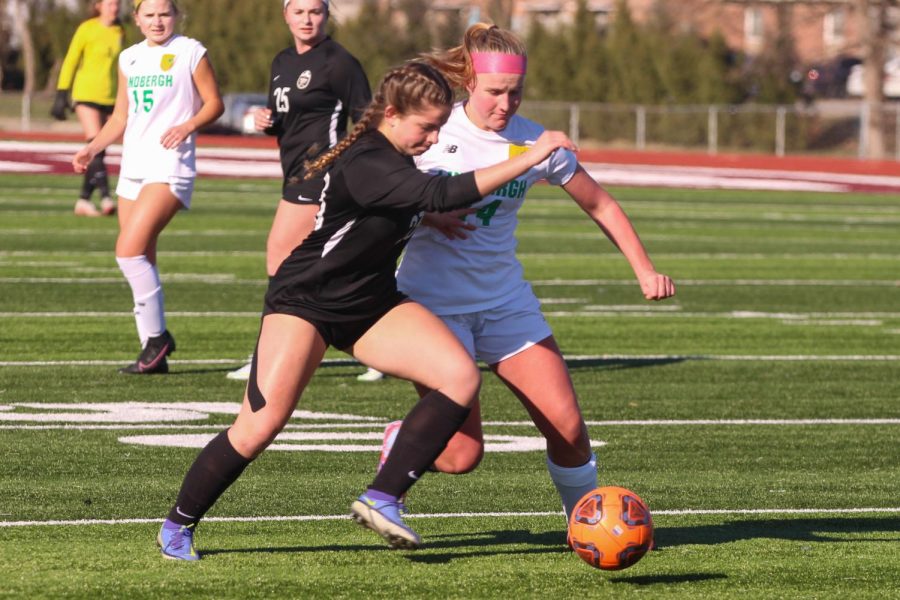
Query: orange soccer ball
point(611, 528)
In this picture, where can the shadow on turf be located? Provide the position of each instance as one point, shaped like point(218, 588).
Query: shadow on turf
point(486, 543)
point(666, 579)
point(801, 530)
point(573, 363)
point(552, 542)
point(622, 363)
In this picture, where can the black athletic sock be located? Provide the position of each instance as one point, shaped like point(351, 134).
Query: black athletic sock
point(214, 470)
point(100, 179)
point(421, 439)
point(87, 183)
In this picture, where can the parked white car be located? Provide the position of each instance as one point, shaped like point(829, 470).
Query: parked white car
point(891, 79)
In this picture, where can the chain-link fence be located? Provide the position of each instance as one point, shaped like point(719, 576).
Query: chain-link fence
point(827, 128)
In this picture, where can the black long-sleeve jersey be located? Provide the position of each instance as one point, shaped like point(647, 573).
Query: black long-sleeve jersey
point(310, 96)
point(374, 198)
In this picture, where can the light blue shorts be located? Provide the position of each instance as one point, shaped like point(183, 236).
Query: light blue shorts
point(499, 333)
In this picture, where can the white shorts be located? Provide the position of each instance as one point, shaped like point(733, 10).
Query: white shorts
point(499, 333)
point(181, 187)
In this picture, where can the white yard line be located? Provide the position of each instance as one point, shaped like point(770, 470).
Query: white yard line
point(228, 279)
point(588, 310)
point(215, 428)
point(463, 515)
point(571, 358)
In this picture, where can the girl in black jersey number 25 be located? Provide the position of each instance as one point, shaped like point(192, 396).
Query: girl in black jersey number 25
point(338, 289)
point(314, 87)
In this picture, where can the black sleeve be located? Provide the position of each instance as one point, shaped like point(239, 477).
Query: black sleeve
point(350, 85)
point(276, 128)
point(382, 178)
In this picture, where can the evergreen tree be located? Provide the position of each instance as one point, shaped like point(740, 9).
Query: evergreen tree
point(587, 59)
point(372, 38)
point(242, 38)
point(633, 78)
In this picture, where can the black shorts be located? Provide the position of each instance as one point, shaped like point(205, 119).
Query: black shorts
point(338, 330)
point(297, 191)
point(105, 109)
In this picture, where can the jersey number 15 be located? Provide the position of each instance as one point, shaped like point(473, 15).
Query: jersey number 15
point(143, 101)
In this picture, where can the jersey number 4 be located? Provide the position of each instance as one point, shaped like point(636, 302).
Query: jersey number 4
point(486, 212)
point(282, 103)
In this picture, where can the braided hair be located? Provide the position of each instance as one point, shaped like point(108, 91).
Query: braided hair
point(412, 87)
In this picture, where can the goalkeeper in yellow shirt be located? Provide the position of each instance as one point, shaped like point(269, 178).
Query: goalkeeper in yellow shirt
point(88, 79)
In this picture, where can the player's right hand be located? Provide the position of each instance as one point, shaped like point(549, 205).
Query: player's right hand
point(262, 119)
point(60, 105)
point(82, 159)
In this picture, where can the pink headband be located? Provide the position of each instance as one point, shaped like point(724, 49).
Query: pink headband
point(498, 62)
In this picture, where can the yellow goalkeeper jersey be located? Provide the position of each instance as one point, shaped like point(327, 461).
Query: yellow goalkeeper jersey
point(90, 68)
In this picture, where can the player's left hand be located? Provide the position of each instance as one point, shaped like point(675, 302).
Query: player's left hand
point(657, 286)
point(174, 136)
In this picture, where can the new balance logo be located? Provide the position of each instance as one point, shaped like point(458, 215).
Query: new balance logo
point(451, 148)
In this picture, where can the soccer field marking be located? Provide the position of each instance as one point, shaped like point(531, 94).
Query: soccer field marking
point(586, 311)
point(216, 428)
point(462, 515)
point(764, 256)
point(229, 279)
point(244, 162)
point(573, 360)
point(728, 282)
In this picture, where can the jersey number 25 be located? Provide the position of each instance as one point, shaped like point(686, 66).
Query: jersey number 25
point(282, 103)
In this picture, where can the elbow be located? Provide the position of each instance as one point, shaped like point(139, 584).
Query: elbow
point(217, 108)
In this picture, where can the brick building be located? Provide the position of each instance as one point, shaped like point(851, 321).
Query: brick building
point(820, 29)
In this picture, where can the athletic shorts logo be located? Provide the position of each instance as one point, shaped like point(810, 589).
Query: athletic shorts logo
point(304, 79)
point(167, 62)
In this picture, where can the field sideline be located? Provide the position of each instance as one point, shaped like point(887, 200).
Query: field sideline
point(756, 413)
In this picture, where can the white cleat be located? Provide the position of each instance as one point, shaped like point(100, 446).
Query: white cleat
point(242, 374)
point(370, 375)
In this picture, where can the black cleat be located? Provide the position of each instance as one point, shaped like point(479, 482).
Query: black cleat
point(152, 358)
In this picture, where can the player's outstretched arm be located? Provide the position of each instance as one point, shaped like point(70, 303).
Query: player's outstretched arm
point(612, 220)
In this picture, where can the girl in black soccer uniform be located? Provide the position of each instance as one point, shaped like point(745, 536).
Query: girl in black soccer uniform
point(338, 288)
point(314, 86)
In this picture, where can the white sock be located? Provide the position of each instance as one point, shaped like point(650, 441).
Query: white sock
point(573, 482)
point(146, 290)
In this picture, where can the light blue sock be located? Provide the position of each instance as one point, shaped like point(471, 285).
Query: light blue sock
point(573, 482)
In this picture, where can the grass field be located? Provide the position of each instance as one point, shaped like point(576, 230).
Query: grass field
point(757, 413)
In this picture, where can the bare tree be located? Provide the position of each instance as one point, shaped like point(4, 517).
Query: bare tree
point(21, 17)
point(876, 29)
point(875, 34)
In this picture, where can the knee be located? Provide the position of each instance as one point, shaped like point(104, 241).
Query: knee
point(250, 439)
point(462, 381)
point(461, 459)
